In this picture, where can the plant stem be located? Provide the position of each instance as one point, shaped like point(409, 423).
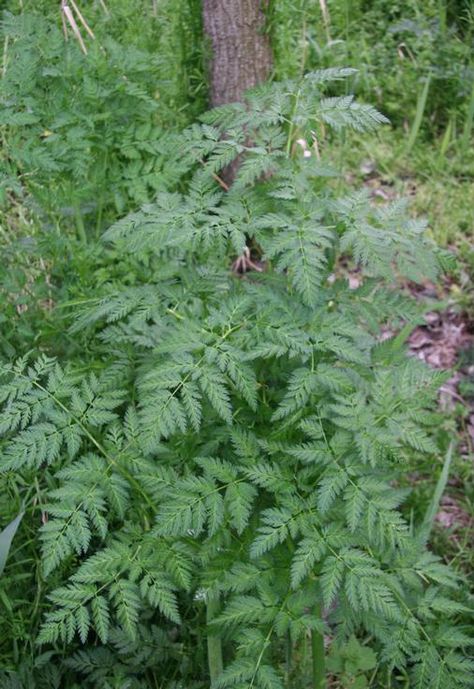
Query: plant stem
point(98, 225)
point(288, 649)
point(214, 644)
point(292, 125)
point(317, 647)
point(81, 230)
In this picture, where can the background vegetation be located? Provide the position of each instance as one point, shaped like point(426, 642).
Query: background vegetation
point(85, 140)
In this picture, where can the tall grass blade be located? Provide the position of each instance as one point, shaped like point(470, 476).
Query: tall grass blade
point(420, 111)
point(442, 16)
point(6, 538)
point(427, 525)
point(467, 130)
point(446, 138)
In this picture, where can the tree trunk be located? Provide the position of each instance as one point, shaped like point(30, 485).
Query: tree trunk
point(241, 54)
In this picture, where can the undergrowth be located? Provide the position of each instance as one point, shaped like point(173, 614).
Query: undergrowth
point(414, 60)
point(81, 132)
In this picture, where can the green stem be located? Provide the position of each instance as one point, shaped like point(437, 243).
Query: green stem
point(98, 225)
point(214, 643)
point(81, 230)
point(317, 646)
point(288, 650)
point(289, 141)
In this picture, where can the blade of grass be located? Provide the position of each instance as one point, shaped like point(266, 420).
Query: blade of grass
point(420, 110)
point(430, 514)
point(6, 538)
point(467, 130)
point(446, 138)
point(442, 16)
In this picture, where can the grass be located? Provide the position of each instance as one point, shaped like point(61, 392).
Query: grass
point(440, 186)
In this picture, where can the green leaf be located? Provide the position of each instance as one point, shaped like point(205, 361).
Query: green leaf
point(101, 617)
point(309, 551)
point(331, 579)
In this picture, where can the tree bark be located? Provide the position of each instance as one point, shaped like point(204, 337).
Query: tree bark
point(241, 53)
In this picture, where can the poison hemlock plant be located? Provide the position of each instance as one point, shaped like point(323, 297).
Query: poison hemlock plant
point(228, 482)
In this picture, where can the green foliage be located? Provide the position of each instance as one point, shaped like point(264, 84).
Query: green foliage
point(350, 661)
point(414, 62)
point(81, 133)
point(234, 438)
point(407, 42)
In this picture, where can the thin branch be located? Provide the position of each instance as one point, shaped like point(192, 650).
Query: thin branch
point(104, 7)
point(82, 20)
